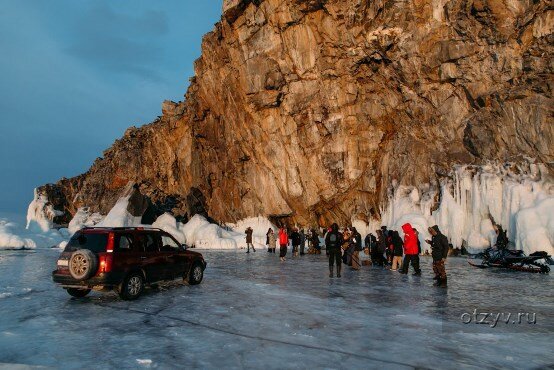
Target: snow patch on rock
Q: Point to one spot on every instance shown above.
(41, 213)
(260, 225)
(119, 216)
(202, 234)
(84, 218)
(169, 224)
(522, 202)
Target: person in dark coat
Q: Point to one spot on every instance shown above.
(372, 246)
(398, 246)
(501, 238)
(302, 242)
(271, 240)
(249, 244)
(333, 244)
(410, 250)
(315, 241)
(267, 240)
(295, 240)
(390, 247)
(356, 242)
(381, 246)
(439, 251)
(418, 241)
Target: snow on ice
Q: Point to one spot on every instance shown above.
(14, 236)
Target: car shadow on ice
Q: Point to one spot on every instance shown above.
(150, 292)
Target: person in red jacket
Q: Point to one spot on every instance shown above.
(411, 252)
(283, 243)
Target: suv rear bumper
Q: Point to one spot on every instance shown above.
(103, 280)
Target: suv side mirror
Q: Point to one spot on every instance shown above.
(184, 246)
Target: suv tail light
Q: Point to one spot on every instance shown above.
(105, 260)
(110, 246)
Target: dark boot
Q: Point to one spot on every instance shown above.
(339, 267)
(443, 282)
(330, 271)
(417, 273)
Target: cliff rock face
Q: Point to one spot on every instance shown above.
(313, 109)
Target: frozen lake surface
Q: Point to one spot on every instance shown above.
(252, 311)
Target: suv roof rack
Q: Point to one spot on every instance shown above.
(121, 228)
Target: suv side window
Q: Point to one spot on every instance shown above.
(151, 243)
(169, 245)
(125, 243)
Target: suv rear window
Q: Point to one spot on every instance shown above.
(93, 242)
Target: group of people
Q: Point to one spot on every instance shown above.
(386, 248)
(298, 240)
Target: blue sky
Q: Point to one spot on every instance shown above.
(75, 74)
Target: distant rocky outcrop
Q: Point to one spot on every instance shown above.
(311, 110)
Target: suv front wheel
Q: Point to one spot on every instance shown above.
(196, 274)
(132, 286)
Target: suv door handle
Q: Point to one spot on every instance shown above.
(142, 257)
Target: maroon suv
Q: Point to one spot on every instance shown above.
(125, 260)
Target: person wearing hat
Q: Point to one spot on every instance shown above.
(249, 243)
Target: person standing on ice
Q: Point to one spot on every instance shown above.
(333, 244)
(418, 242)
(283, 243)
(380, 248)
(397, 251)
(390, 247)
(295, 239)
(410, 250)
(371, 245)
(356, 240)
(315, 242)
(439, 251)
(302, 242)
(249, 244)
(271, 240)
(267, 241)
(501, 238)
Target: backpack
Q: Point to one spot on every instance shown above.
(333, 240)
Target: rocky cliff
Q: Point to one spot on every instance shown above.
(312, 110)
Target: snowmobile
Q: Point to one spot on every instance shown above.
(514, 260)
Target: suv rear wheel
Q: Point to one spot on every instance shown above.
(196, 274)
(78, 293)
(132, 286)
